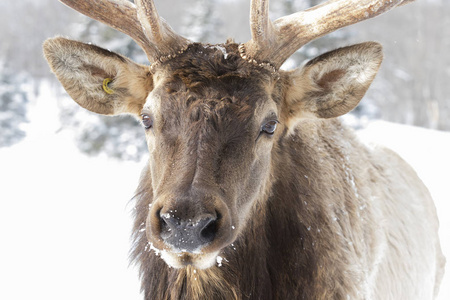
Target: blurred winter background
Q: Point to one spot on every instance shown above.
(66, 175)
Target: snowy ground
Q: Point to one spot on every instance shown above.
(64, 219)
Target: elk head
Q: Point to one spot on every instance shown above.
(213, 114)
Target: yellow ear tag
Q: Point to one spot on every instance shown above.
(106, 87)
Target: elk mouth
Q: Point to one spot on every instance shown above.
(181, 256)
(179, 260)
(190, 233)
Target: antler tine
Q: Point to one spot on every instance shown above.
(167, 43)
(260, 24)
(118, 14)
(141, 22)
(273, 43)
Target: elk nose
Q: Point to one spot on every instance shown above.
(188, 235)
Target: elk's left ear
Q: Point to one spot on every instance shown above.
(97, 79)
(332, 84)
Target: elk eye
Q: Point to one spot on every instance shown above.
(147, 121)
(269, 127)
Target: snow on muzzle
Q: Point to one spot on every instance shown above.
(197, 225)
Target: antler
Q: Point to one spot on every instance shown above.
(273, 43)
(140, 21)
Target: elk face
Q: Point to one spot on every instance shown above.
(211, 121)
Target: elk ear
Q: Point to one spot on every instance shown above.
(97, 79)
(332, 84)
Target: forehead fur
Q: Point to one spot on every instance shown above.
(204, 68)
(213, 83)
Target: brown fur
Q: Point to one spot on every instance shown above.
(306, 241)
(306, 213)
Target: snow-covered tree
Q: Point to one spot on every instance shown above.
(13, 108)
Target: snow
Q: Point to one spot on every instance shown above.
(219, 260)
(221, 48)
(65, 220)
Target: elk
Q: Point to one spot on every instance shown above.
(254, 189)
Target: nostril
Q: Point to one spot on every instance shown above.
(164, 229)
(170, 220)
(208, 233)
(168, 225)
(163, 223)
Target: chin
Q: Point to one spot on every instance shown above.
(182, 260)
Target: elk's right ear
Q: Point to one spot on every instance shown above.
(97, 79)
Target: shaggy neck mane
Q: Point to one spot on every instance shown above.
(298, 226)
